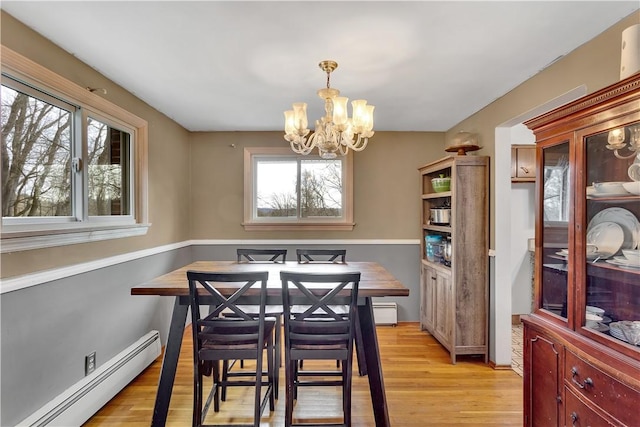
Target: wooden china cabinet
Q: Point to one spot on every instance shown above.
(580, 366)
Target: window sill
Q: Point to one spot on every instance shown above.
(288, 226)
(24, 240)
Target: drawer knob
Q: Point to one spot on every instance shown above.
(574, 417)
(586, 383)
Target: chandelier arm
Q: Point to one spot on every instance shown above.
(360, 143)
(302, 145)
(620, 156)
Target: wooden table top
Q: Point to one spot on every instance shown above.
(375, 280)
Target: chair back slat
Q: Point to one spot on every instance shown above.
(261, 255)
(321, 255)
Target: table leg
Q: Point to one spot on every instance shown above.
(374, 368)
(169, 363)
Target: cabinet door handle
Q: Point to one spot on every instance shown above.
(526, 170)
(586, 383)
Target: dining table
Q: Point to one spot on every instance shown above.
(375, 281)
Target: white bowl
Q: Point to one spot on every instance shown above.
(632, 187)
(597, 311)
(609, 187)
(592, 320)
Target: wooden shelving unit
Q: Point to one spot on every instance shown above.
(454, 300)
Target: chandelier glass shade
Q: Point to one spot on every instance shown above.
(616, 142)
(335, 133)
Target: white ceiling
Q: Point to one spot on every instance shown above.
(237, 65)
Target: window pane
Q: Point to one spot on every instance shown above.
(276, 188)
(36, 156)
(321, 188)
(108, 161)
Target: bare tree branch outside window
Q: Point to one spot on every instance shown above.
(36, 157)
(319, 191)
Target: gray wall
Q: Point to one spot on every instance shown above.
(46, 330)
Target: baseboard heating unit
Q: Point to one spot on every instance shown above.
(79, 402)
(385, 313)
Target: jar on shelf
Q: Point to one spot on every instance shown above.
(433, 247)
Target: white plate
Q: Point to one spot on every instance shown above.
(628, 221)
(626, 261)
(607, 236)
(590, 256)
(620, 264)
(618, 194)
(599, 327)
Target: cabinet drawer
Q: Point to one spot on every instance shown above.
(577, 414)
(605, 391)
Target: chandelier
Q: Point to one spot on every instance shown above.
(335, 133)
(616, 140)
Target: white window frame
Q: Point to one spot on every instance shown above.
(19, 234)
(251, 222)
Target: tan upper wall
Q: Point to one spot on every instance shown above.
(385, 182)
(595, 64)
(168, 162)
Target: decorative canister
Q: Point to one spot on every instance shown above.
(433, 247)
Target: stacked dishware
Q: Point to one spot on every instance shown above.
(595, 319)
(626, 330)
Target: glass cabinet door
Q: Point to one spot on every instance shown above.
(556, 208)
(609, 245)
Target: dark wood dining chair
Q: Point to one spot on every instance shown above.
(251, 255)
(261, 255)
(218, 338)
(319, 332)
(334, 256)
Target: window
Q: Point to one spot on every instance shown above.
(286, 191)
(72, 163)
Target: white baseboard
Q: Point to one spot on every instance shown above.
(79, 402)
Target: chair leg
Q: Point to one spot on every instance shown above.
(197, 399)
(289, 392)
(278, 355)
(257, 404)
(217, 385)
(296, 371)
(346, 381)
(225, 378)
(272, 372)
(362, 363)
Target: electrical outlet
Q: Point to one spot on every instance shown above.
(90, 363)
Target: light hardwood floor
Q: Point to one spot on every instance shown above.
(423, 389)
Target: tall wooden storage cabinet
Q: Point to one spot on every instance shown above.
(581, 355)
(454, 299)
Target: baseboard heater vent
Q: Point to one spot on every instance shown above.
(385, 313)
(79, 402)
